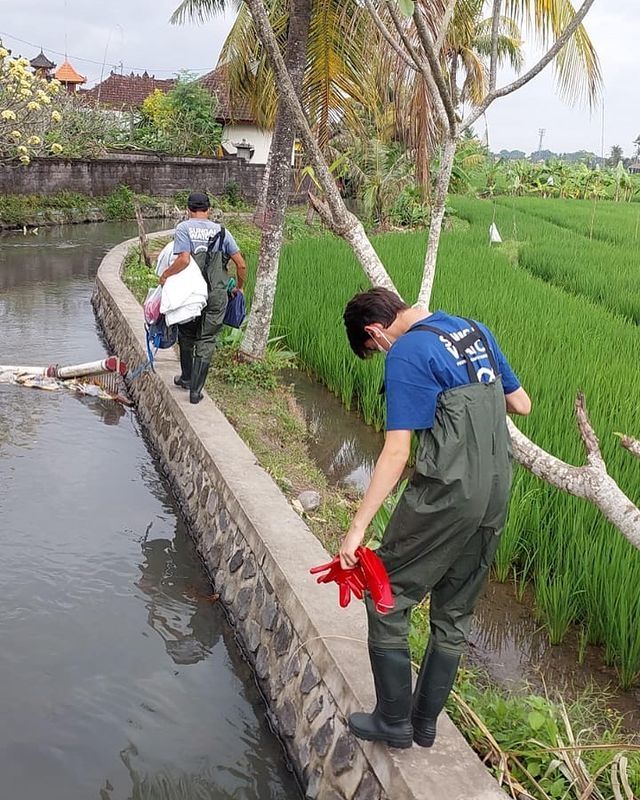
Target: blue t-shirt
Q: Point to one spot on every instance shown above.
(192, 236)
(421, 365)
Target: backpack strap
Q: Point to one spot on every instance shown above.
(216, 239)
(461, 346)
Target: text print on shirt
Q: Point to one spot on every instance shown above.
(199, 235)
(476, 352)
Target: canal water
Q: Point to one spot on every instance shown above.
(119, 676)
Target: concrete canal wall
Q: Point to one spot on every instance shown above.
(310, 657)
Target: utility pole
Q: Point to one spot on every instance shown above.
(542, 132)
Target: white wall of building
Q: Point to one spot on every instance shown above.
(261, 140)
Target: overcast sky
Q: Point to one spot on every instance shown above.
(138, 34)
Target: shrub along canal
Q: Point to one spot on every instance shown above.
(120, 676)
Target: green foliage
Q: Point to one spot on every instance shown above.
(138, 277)
(232, 194)
(15, 209)
(555, 179)
(383, 515)
(182, 121)
(262, 374)
(531, 732)
(84, 131)
(119, 204)
(409, 210)
(558, 343)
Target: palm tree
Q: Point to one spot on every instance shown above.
(294, 33)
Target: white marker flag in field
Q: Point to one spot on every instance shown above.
(494, 234)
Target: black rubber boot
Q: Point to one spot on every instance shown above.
(389, 722)
(183, 380)
(435, 680)
(198, 377)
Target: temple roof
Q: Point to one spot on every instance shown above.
(67, 74)
(41, 62)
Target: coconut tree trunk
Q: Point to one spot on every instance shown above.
(261, 205)
(255, 339)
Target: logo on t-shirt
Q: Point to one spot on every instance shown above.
(200, 235)
(476, 352)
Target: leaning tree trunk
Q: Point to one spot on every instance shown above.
(255, 339)
(437, 216)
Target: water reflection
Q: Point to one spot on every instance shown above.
(178, 605)
(344, 447)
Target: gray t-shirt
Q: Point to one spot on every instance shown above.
(192, 236)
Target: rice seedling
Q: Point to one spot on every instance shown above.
(558, 344)
(556, 245)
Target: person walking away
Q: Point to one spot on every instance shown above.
(212, 247)
(445, 379)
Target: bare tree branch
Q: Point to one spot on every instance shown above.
(495, 30)
(434, 64)
(444, 27)
(591, 482)
(591, 443)
(386, 35)
(630, 444)
(535, 70)
(142, 237)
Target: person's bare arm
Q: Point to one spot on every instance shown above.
(389, 467)
(241, 269)
(518, 402)
(181, 262)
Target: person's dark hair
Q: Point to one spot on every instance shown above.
(198, 201)
(376, 305)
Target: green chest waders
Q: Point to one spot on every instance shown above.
(197, 338)
(443, 534)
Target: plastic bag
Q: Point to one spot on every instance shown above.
(152, 305)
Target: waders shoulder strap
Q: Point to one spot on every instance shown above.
(217, 239)
(462, 345)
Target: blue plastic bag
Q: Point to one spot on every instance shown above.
(236, 311)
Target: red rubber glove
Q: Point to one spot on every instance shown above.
(376, 579)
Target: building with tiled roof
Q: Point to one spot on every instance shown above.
(126, 92)
(69, 77)
(238, 112)
(238, 123)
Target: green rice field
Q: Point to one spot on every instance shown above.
(561, 295)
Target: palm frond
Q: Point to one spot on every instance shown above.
(577, 67)
(201, 10)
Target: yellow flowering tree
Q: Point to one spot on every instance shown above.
(28, 109)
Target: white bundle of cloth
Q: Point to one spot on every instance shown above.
(184, 295)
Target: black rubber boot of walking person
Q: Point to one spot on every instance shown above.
(390, 721)
(435, 681)
(183, 380)
(198, 378)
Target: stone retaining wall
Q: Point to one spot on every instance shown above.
(155, 175)
(309, 656)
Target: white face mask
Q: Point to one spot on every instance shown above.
(382, 335)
